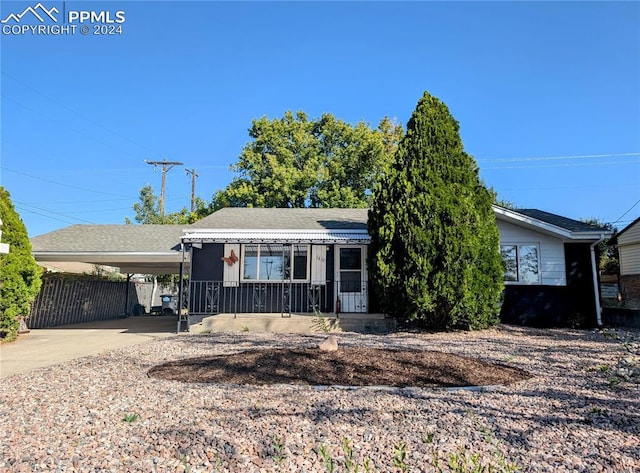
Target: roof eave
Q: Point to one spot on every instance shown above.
(99, 256)
(513, 216)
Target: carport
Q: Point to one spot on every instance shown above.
(134, 249)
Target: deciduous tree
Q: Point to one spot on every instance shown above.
(148, 210)
(295, 161)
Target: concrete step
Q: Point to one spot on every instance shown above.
(296, 323)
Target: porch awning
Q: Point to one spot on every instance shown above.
(354, 237)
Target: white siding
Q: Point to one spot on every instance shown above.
(629, 259)
(231, 274)
(319, 264)
(552, 261)
(629, 247)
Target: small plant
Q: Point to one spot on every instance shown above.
(429, 438)
(509, 359)
(603, 368)
(614, 381)
(130, 418)
(322, 323)
(350, 463)
(400, 456)
(326, 457)
(348, 455)
(245, 328)
(278, 449)
(185, 462)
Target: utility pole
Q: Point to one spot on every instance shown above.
(166, 167)
(193, 186)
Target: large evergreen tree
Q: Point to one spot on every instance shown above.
(19, 273)
(434, 255)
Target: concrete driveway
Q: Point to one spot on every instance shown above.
(45, 347)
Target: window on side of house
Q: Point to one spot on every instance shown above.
(275, 262)
(521, 263)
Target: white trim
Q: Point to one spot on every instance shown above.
(345, 236)
(517, 218)
(364, 293)
(97, 256)
(596, 285)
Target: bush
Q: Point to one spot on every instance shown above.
(19, 273)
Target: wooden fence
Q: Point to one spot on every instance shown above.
(63, 301)
(66, 300)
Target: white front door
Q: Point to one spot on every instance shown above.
(351, 277)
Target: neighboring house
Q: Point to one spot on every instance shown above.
(275, 260)
(628, 241)
(4, 247)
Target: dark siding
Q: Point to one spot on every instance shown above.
(554, 306)
(213, 297)
(207, 265)
(330, 304)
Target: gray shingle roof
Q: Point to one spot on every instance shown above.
(284, 219)
(559, 221)
(110, 238)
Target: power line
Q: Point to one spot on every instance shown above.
(60, 183)
(22, 210)
(84, 117)
(68, 127)
(62, 214)
(558, 158)
(629, 210)
(604, 163)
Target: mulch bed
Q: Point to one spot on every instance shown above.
(349, 366)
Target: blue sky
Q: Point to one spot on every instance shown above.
(529, 82)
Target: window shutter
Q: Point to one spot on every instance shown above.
(319, 265)
(231, 274)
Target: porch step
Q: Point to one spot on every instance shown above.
(304, 323)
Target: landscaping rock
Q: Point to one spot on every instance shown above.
(330, 344)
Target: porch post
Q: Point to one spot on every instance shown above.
(126, 295)
(180, 290)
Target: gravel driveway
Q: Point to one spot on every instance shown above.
(581, 411)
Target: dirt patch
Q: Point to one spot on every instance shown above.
(349, 366)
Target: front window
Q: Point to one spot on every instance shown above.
(521, 263)
(275, 262)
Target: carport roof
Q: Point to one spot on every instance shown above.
(133, 248)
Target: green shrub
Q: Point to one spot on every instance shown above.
(19, 273)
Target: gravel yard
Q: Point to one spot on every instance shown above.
(580, 411)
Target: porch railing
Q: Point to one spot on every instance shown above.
(214, 297)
